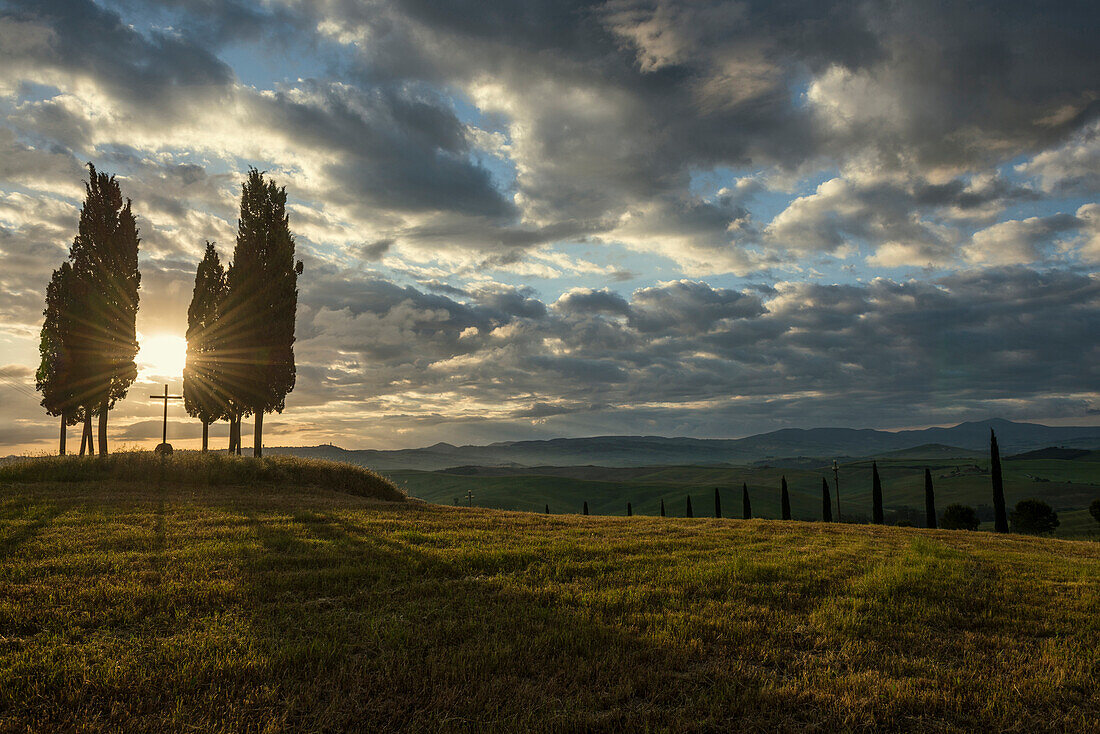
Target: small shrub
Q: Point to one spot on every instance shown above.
(1033, 516)
(959, 517)
(1094, 510)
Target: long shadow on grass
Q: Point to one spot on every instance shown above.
(39, 518)
(363, 630)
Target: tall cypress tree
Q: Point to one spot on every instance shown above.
(826, 501)
(785, 500)
(629, 510)
(746, 506)
(1000, 516)
(586, 508)
(876, 495)
(263, 301)
(689, 512)
(104, 257)
(54, 378)
(662, 507)
(204, 394)
(717, 503)
(548, 509)
(929, 501)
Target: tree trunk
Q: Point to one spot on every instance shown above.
(61, 444)
(205, 435)
(232, 434)
(258, 435)
(103, 429)
(88, 433)
(240, 419)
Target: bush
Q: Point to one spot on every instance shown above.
(1094, 510)
(959, 517)
(1033, 516)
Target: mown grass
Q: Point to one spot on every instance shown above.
(173, 607)
(210, 469)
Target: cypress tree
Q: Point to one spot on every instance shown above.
(629, 510)
(929, 501)
(104, 258)
(785, 500)
(54, 377)
(262, 301)
(689, 512)
(717, 503)
(548, 509)
(876, 495)
(826, 501)
(204, 395)
(662, 507)
(585, 508)
(746, 506)
(1000, 516)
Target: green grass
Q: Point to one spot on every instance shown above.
(1069, 487)
(166, 606)
(210, 469)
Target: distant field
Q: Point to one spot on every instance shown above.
(1069, 486)
(151, 605)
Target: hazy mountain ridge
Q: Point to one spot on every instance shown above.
(626, 451)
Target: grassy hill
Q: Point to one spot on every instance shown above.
(170, 602)
(1068, 485)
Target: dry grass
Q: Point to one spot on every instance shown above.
(173, 607)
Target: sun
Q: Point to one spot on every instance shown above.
(161, 355)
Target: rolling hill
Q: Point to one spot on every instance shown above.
(626, 451)
(201, 601)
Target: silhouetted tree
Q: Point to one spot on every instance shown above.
(929, 500)
(104, 258)
(263, 300)
(204, 395)
(717, 503)
(826, 501)
(629, 510)
(1000, 518)
(784, 500)
(689, 512)
(876, 496)
(746, 506)
(585, 508)
(548, 509)
(55, 375)
(662, 507)
(1094, 510)
(1034, 516)
(960, 517)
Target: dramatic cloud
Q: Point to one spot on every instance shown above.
(553, 216)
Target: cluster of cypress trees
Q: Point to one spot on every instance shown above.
(89, 336)
(240, 324)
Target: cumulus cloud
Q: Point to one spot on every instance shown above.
(470, 187)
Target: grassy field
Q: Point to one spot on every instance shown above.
(1069, 486)
(287, 606)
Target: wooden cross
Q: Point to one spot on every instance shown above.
(165, 397)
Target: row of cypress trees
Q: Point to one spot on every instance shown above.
(88, 340)
(240, 323)
(878, 514)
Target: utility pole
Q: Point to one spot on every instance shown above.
(469, 498)
(836, 481)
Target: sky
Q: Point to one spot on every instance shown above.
(528, 219)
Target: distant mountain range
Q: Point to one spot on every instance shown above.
(964, 439)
